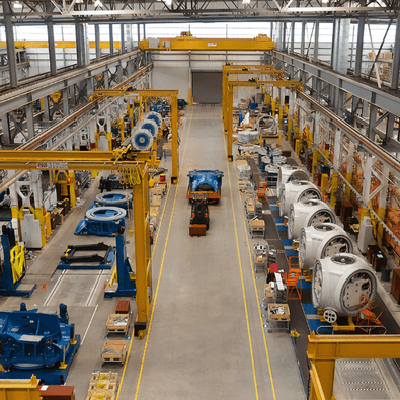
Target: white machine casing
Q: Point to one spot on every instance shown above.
(150, 125)
(289, 173)
(308, 213)
(266, 124)
(293, 192)
(142, 139)
(154, 116)
(321, 241)
(248, 136)
(366, 235)
(339, 282)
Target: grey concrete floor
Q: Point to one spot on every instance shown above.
(206, 339)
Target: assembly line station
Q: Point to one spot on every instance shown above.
(199, 200)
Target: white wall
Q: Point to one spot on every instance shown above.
(171, 79)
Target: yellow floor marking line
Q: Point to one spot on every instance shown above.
(156, 291)
(243, 289)
(258, 302)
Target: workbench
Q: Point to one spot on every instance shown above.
(278, 315)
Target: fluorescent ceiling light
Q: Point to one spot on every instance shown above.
(246, 1)
(168, 2)
(98, 3)
(325, 1)
(17, 4)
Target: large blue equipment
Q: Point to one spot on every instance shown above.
(102, 221)
(205, 180)
(37, 342)
(126, 283)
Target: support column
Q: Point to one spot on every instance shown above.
(373, 117)
(50, 35)
(65, 101)
(97, 41)
(382, 203)
(29, 120)
(79, 44)
(303, 38)
(279, 41)
(292, 38)
(359, 47)
(144, 31)
(316, 42)
(333, 42)
(5, 137)
(396, 57)
(111, 39)
(46, 108)
(12, 62)
(175, 139)
(123, 39)
(119, 73)
(138, 33)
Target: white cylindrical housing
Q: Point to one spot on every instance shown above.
(155, 116)
(142, 139)
(308, 213)
(248, 136)
(289, 173)
(151, 126)
(266, 125)
(339, 282)
(320, 241)
(295, 191)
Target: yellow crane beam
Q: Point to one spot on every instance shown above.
(188, 42)
(58, 44)
(324, 350)
(103, 160)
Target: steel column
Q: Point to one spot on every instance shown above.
(144, 31)
(97, 41)
(30, 126)
(111, 39)
(316, 42)
(50, 35)
(292, 38)
(79, 44)
(373, 117)
(333, 45)
(303, 38)
(359, 47)
(396, 57)
(138, 33)
(122, 38)
(46, 108)
(175, 139)
(65, 101)
(5, 137)
(12, 62)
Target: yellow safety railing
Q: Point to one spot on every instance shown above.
(17, 257)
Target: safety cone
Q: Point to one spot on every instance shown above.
(44, 287)
(105, 285)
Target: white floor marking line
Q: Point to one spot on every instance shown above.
(96, 284)
(56, 286)
(90, 322)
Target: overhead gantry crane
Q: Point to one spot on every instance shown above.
(134, 171)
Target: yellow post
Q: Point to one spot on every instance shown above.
(364, 213)
(174, 145)
(347, 192)
(142, 251)
(47, 220)
(71, 184)
(334, 186)
(315, 160)
(290, 125)
(190, 96)
(121, 127)
(280, 117)
(272, 107)
(380, 231)
(230, 122)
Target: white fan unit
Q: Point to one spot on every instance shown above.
(339, 282)
(154, 116)
(142, 139)
(320, 241)
(293, 192)
(288, 173)
(308, 213)
(150, 125)
(247, 136)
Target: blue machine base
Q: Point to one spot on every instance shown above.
(109, 263)
(120, 293)
(274, 208)
(48, 375)
(25, 290)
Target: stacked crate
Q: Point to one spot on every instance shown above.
(103, 386)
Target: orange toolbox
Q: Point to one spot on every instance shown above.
(197, 230)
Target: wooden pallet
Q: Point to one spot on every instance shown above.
(103, 385)
(118, 323)
(114, 351)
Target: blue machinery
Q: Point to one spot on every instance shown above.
(36, 342)
(102, 221)
(126, 283)
(13, 268)
(205, 181)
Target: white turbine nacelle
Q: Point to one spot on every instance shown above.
(320, 241)
(307, 213)
(248, 136)
(289, 173)
(293, 192)
(339, 282)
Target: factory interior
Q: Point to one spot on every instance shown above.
(199, 200)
